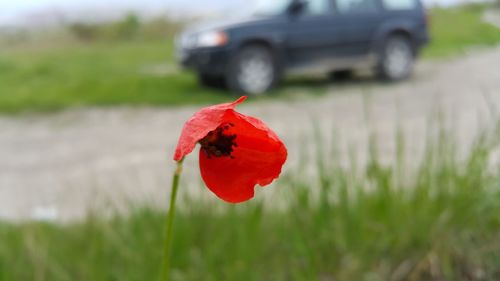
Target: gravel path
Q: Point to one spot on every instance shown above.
(58, 166)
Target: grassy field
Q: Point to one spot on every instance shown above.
(48, 76)
(434, 221)
(455, 30)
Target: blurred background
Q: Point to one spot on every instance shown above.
(384, 181)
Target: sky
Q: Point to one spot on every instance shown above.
(23, 11)
(19, 11)
(19, 6)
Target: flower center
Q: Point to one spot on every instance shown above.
(218, 144)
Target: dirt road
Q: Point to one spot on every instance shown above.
(58, 166)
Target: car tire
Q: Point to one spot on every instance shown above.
(396, 58)
(252, 71)
(341, 75)
(211, 81)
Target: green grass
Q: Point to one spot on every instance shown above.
(50, 76)
(455, 30)
(435, 221)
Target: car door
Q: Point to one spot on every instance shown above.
(310, 34)
(356, 22)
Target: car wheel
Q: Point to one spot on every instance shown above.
(396, 58)
(212, 81)
(252, 71)
(341, 75)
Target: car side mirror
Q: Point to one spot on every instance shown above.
(296, 7)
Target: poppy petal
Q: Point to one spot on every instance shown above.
(257, 159)
(201, 123)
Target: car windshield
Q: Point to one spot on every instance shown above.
(270, 7)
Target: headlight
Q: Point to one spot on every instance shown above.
(212, 39)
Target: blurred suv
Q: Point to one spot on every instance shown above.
(251, 54)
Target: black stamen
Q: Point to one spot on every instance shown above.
(217, 144)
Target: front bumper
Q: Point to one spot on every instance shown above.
(205, 60)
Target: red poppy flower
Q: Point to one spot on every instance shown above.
(237, 151)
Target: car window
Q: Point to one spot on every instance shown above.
(356, 6)
(317, 7)
(400, 4)
(266, 7)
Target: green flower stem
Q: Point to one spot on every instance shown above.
(170, 222)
